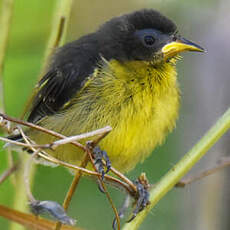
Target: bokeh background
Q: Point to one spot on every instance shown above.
(204, 80)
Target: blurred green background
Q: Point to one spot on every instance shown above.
(205, 95)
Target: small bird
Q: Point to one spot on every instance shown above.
(123, 75)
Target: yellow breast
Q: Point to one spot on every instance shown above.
(149, 113)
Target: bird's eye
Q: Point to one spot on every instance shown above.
(149, 40)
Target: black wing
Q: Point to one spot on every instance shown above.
(70, 66)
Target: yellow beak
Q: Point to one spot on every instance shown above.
(180, 45)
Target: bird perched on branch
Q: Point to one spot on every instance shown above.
(122, 75)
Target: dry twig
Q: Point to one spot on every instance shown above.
(221, 164)
(8, 172)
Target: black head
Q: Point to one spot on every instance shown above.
(140, 35)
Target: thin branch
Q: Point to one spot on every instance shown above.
(74, 184)
(39, 128)
(105, 190)
(27, 176)
(73, 187)
(30, 221)
(129, 186)
(182, 167)
(55, 134)
(70, 166)
(8, 172)
(221, 164)
(125, 179)
(108, 178)
(68, 140)
(17, 143)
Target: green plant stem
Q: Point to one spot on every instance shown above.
(20, 198)
(59, 28)
(182, 167)
(5, 21)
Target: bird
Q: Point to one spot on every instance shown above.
(122, 75)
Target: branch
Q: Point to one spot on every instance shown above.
(221, 164)
(72, 140)
(8, 172)
(130, 187)
(67, 140)
(182, 167)
(30, 221)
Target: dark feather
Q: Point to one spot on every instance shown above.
(71, 65)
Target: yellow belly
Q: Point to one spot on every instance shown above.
(138, 134)
(140, 106)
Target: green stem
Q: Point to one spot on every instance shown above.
(5, 21)
(59, 28)
(20, 198)
(182, 167)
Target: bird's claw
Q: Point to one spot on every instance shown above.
(141, 196)
(142, 201)
(99, 156)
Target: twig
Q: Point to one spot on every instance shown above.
(29, 221)
(182, 167)
(46, 156)
(26, 176)
(221, 164)
(103, 133)
(88, 172)
(18, 143)
(28, 167)
(55, 134)
(73, 187)
(105, 190)
(68, 140)
(8, 172)
(75, 183)
(37, 207)
(39, 128)
(125, 179)
(63, 141)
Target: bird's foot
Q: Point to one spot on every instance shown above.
(142, 195)
(98, 156)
